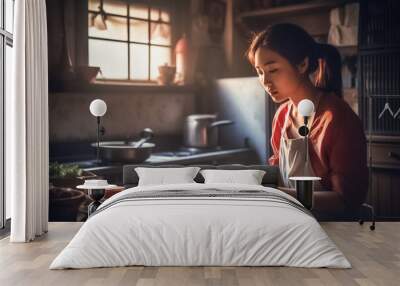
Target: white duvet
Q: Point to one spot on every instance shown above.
(200, 231)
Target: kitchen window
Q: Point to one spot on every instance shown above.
(128, 40)
(6, 44)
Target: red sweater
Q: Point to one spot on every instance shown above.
(337, 148)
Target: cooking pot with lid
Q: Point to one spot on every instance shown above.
(201, 130)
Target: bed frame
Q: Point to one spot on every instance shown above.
(270, 179)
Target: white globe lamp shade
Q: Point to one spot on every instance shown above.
(306, 107)
(98, 107)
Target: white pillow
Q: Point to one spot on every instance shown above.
(162, 176)
(249, 177)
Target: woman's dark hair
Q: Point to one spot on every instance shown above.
(295, 44)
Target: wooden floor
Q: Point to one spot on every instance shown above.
(375, 256)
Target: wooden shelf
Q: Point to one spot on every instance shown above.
(292, 10)
(383, 138)
(118, 87)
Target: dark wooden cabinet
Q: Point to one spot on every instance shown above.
(379, 89)
(379, 24)
(385, 193)
(384, 161)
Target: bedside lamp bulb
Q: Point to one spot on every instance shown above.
(306, 109)
(98, 107)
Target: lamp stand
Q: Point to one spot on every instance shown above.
(98, 140)
(96, 195)
(303, 131)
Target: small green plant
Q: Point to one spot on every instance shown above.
(57, 170)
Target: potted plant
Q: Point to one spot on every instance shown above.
(64, 200)
(68, 175)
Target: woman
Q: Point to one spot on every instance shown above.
(292, 66)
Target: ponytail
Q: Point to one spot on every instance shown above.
(329, 71)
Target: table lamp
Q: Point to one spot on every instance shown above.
(306, 109)
(304, 184)
(98, 108)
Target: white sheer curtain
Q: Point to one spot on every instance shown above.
(27, 124)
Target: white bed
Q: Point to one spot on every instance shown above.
(185, 230)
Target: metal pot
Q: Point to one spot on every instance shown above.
(201, 130)
(127, 151)
(124, 152)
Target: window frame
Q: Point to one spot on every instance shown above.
(128, 42)
(6, 39)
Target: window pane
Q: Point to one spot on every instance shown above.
(160, 34)
(118, 7)
(139, 31)
(154, 14)
(3, 204)
(1, 16)
(111, 57)
(159, 56)
(94, 5)
(139, 61)
(165, 16)
(139, 11)
(9, 9)
(116, 28)
(7, 83)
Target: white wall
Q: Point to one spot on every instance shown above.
(127, 114)
(244, 101)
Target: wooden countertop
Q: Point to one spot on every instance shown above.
(192, 159)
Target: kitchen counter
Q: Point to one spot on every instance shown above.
(113, 171)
